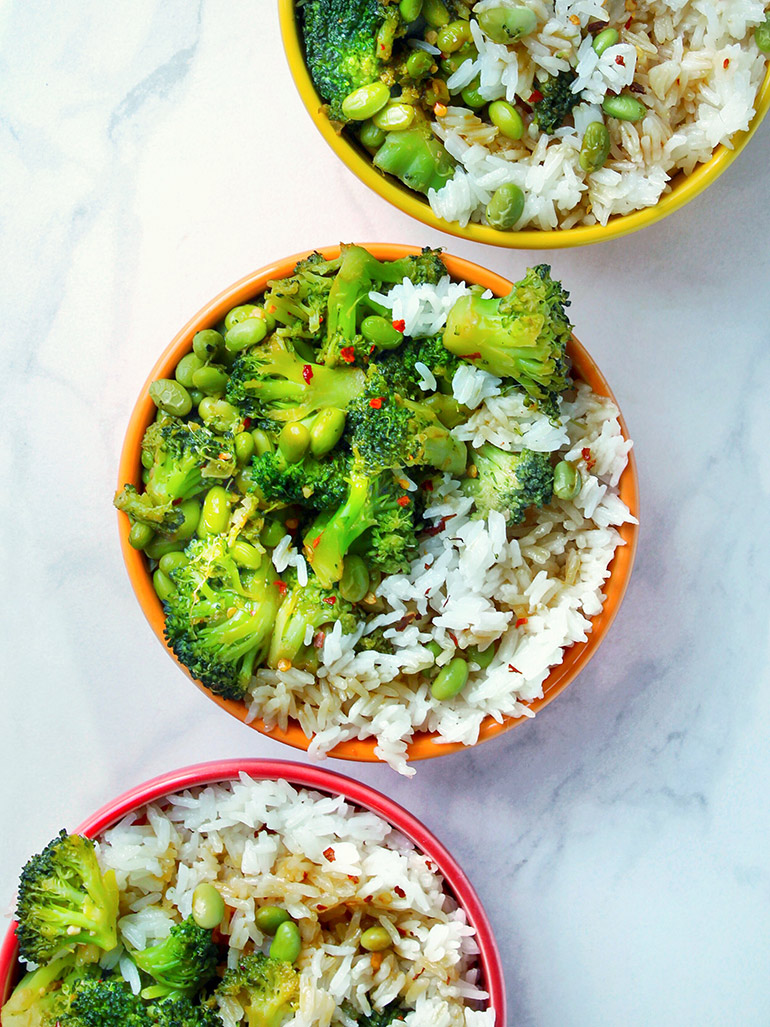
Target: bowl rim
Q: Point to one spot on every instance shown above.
(423, 744)
(685, 188)
(311, 777)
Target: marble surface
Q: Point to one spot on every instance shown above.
(620, 841)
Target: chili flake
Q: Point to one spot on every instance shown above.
(471, 356)
(281, 586)
(329, 854)
(620, 59)
(536, 96)
(246, 423)
(348, 354)
(319, 639)
(453, 636)
(427, 485)
(403, 500)
(376, 402)
(726, 62)
(585, 452)
(400, 325)
(329, 600)
(514, 669)
(629, 22)
(316, 541)
(176, 502)
(521, 621)
(272, 308)
(307, 373)
(400, 892)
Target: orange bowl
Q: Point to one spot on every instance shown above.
(683, 187)
(424, 744)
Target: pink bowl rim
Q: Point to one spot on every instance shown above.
(307, 777)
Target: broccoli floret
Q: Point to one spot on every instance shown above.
(105, 1002)
(558, 100)
(298, 303)
(303, 607)
(42, 996)
(509, 482)
(522, 336)
(219, 620)
(311, 483)
(378, 1017)
(266, 989)
(416, 157)
(182, 964)
(273, 382)
(375, 641)
(182, 1012)
(346, 43)
(65, 900)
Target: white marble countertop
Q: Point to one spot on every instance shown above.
(620, 841)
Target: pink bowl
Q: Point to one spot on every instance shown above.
(308, 777)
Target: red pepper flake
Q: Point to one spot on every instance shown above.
(348, 354)
(521, 621)
(320, 908)
(319, 639)
(281, 586)
(246, 423)
(426, 566)
(438, 528)
(400, 325)
(376, 403)
(307, 373)
(726, 63)
(329, 600)
(620, 59)
(536, 96)
(453, 636)
(427, 485)
(400, 892)
(629, 22)
(514, 669)
(272, 308)
(316, 541)
(329, 854)
(352, 878)
(403, 500)
(586, 454)
(471, 356)
(372, 348)
(177, 502)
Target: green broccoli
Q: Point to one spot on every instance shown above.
(523, 336)
(311, 483)
(219, 620)
(303, 607)
(298, 303)
(42, 996)
(266, 989)
(509, 482)
(106, 1002)
(275, 383)
(182, 964)
(552, 111)
(182, 1012)
(376, 641)
(346, 45)
(64, 900)
(416, 157)
(378, 1017)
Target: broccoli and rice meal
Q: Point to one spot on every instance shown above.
(376, 502)
(545, 113)
(244, 902)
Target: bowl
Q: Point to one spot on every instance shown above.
(491, 973)
(684, 187)
(423, 745)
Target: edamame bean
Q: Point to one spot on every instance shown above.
(396, 117)
(184, 369)
(147, 459)
(238, 314)
(450, 680)
(246, 555)
(376, 939)
(506, 206)
(170, 397)
(248, 332)
(191, 512)
(171, 562)
(419, 64)
(481, 658)
(140, 535)
(365, 101)
(208, 906)
(196, 396)
(272, 533)
(625, 107)
(452, 36)
(604, 40)
(449, 65)
(762, 35)
(160, 546)
(472, 97)
(163, 585)
(262, 442)
(434, 649)
(215, 512)
(371, 137)
(287, 943)
(326, 431)
(595, 148)
(244, 447)
(354, 583)
(207, 343)
(507, 24)
(567, 480)
(380, 332)
(505, 116)
(210, 379)
(410, 10)
(269, 918)
(435, 13)
(218, 414)
(293, 441)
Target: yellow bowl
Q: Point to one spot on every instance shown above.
(684, 187)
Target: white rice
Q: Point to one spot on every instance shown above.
(698, 69)
(268, 842)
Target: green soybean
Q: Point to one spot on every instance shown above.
(184, 369)
(604, 40)
(506, 206)
(595, 148)
(287, 943)
(272, 533)
(160, 546)
(269, 918)
(147, 459)
(762, 35)
(244, 447)
(365, 101)
(472, 97)
(450, 64)
(419, 64)
(434, 649)
(218, 414)
(246, 555)
(435, 13)
(210, 379)
(293, 441)
(140, 535)
(505, 116)
(196, 396)
(452, 36)
(207, 343)
(371, 137)
(326, 430)
(163, 585)
(625, 107)
(248, 332)
(208, 906)
(410, 10)
(262, 442)
(190, 511)
(396, 117)
(567, 481)
(240, 313)
(215, 512)
(354, 583)
(376, 939)
(507, 24)
(482, 658)
(450, 680)
(170, 397)
(380, 332)
(171, 562)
